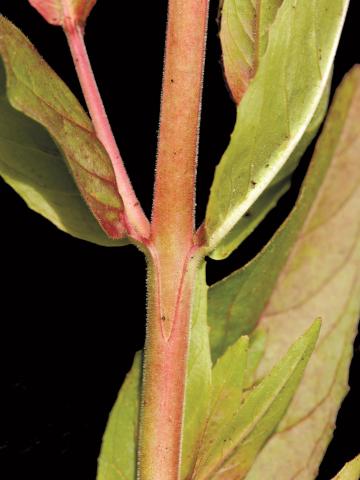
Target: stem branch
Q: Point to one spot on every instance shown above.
(133, 210)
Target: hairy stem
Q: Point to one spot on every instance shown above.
(134, 214)
(174, 254)
(164, 377)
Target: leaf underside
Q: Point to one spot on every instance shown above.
(321, 277)
(244, 35)
(34, 89)
(32, 164)
(273, 116)
(311, 267)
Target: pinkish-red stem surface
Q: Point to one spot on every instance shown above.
(174, 256)
(135, 217)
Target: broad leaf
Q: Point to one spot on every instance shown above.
(234, 446)
(281, 183)
(321, 276)
(124, 417)
(326, 263)
(350, 471)
(117, 459)
(244, 36)
(33, 165)
(34, 89)
(198, 378)
(273, 115)
(236, 303)
(56, 11)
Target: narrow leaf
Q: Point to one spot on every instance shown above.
(232, 452)
(244, 36)
(117, 460)
(198, 379)
(57, 12)
(34, 89)
(321, 276)
(226, 394)
(32, 164)
(255, 354)
(350, 471)
(273, 115)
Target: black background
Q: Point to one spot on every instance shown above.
(74, 311)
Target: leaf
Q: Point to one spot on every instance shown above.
(243, 35)
(236, 303)
(255, 353)
(271, 195)
(117, 460)
(236, 444)
(350, 471)
(32, 164)
(34, 89)
(321, 276)
(118, 453)
(198, 378)
(56, 11)
(273, 115)
(226, 394)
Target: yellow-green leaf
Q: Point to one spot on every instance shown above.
(271, 195)
(350, 471)
(198, 378)
(322, 277)
(273, 115)
(32, 164)
(117, 459)
(231, 450)
(244, 34)
(35, 89)
(226, 394)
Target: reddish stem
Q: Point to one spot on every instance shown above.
(174, 255)
(136, 218)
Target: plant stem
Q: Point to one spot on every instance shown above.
(164, 377)
(133, 211)
(174, 254)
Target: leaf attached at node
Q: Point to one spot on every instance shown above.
(33, 88)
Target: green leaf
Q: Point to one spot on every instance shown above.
(34, 89)
(273, 115)
(234, 446)
(244, 35)
(198, 379)
(320, 276)
(350, 471)
(226, 394)
(32, 164)
(117, 460)
(236, 303)
(256, 351)
(281, 183)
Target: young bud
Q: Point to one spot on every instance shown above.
(57, 12)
